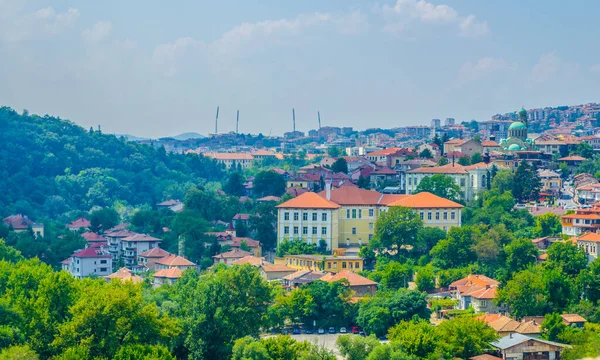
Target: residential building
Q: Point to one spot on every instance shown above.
(505, 325)
(149, 258)
(551, 181)
(124, 274)
(357, 283)
(136, 244)
(174, 261)
(329, 263)
(383, 175)
(471, 180)
(21, 223)
(93, 238)
(243, 160)
(251, 260)
(571, 320)
(523, 347)
(389, 157)
(465, 146)
(81, 223)
(114, 240)
(572, 161)
(490, 146)
(346, 217)
(173, 205)
(301, 277)
(167, 276)
(583, 220)
(478, 292)
(229, 238)
(91, 261)
(590, 243)
(589, 193)
(274, 271)
(229, 257)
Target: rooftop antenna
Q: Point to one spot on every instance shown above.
(237, 122)
(217, 122)
(319, 116)
(294, 118)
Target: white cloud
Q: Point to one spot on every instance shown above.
(16, 26)
(546, 68)
(484, 68)
(54, 21)
(595, 68)
(407, 11)
(100, 31)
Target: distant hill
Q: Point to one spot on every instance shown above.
(188, 135)
(131, 137)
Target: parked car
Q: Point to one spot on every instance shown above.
(362, 333)
(355, 329)
(332, 330)
(343, 330)
(296, 331)
(308, 331)
(321, 331)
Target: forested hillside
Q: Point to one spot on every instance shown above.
(50, 166)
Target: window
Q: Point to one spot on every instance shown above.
(354, 213)
(409, 180)
(357, 265)
(286, 216)
(483, 303)
(305, 230)
(304, 216)
(295, 230)
(371, 225)
(323, 230)
(462, 182)
(437, 215)
(324, 217)
(371, 212)
(102, 261)
(353, 231)
(421, 215)
(314, 216)
(343, 264)
(295, 216)
(314, 230)
(347, 213)
(370, 236)
(360, 213)
(445, 215)
(335, 265)
(429, 215)
(350, 265)
(102, 269)
(452, 215)
(329, 265)
(286, 230)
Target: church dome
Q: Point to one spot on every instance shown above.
(517, 125)
(514, 147)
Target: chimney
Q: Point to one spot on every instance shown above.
(328, 189)
(510, 335)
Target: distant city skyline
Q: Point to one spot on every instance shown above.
(151, 70)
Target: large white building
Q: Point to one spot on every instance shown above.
(92, 261)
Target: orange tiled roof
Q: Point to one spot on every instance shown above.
(124, 274)
(174, 260)
(572, 158)
(140, 237)
(593, 237)
(276, 268)
(155, 253)
(252, 260)
(426, 200)
(348, 195)
(353, 278)
(582, 216)
(571, 318)
(170, 273)
(384, 152)
(229, 156)
(309, 200)
(489, 143)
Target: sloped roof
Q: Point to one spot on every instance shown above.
(232, 254)
(384, 152)
(92, 236)
(170, 273)
(91, 252)
(445, 169)
(120, 233)
(348, 195)
(353, 278)
(489, 143)
(169, 203)
(174, 260)
(276, 268)
(572, 158)
(18, 222)
(237, 242)
(79, 223)
(252, 260)
(516, 339)
(140, 237)
(124, 274)
(485, 357)
(309, 200)
(269, 198)
(155, 253)
(424, 200)
(572, 318)
(229, 156)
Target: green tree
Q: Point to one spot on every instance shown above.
(526, 184)
(263, 225)
(190, 226)
(590, 280)
(567, 257)
(440, 185)
(503, 181)
(525, 294)
(552, 327)
(426, 154)
(334, 152)
(356, 347)
(418, 338)
(520, 254)
(464, 161)
(268, 183)
(340, 166)
(443, 161)
(20, 352)
(143, 352)
(584, 150)
(476, 158)
(103, 219)
(427, 238)
(235, 184)
(548, 224)
(398, 227)
(363, 182)
(8, 253)
(425, 279)
(457, 249)
(465, 336)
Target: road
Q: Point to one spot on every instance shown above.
(327, 340)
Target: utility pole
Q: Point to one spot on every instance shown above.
(217, 122)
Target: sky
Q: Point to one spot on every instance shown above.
(157, 68)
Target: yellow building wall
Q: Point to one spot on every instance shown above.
(315, 263)
(355, 225)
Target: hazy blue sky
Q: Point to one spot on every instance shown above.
(154, 68)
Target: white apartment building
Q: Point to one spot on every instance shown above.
(92, 261)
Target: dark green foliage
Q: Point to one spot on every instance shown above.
(268, 183)
(440, 185)
(103, 219)
(235, 184)
(526, 185)
(340, 166)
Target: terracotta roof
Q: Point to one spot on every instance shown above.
(477, 286)
(120, 233)
(170, 273)
(456, 141)
(581, 216)
(119, 227)
(237, 242)
(384, 171)
(489, 143)
(92, 236)
(483, 293)
(310, 200)
(485, 357)
(91, 253)
(18, 222)
(594, 237)
(572, 158)
(174, 260)
(425, 200)
(79, 223)
(348, 195)
(232, 254)
(269, 198)
(66, 261)
(276, 268)
(384, 152)
(543, 257)
(155, 253)
(445, 169)
(295, 191)
(140, 237)
(572, 318)
(353, 278)
(241, 216)
(124, 274)
(252, 260)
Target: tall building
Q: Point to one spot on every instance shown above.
(450, 121)
(436, 123)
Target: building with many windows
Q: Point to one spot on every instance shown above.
(583, 220)
(346, 217)
(329, 263)
(91, 261)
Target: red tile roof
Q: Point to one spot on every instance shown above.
(79, 223)
(592, 237)
(140, 237)
(124, 274)
(18, 222)
(276, 268)
(232, 254)
(92, 237)
(170, 273)
(425, 200)
(572, 158)
(252, 260)
(91, 252)
(155, 253)
(310, 200)
(120, 233)
(174, 260)
(353, 278)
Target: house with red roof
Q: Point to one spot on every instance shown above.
(167, 276)
(149, 258)
(478, 292)
(21, 223)
(230, 256)
(91, 261)
(81, 223)
(92, 237)
(357, 283)
(136, 244)
(174, 261)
